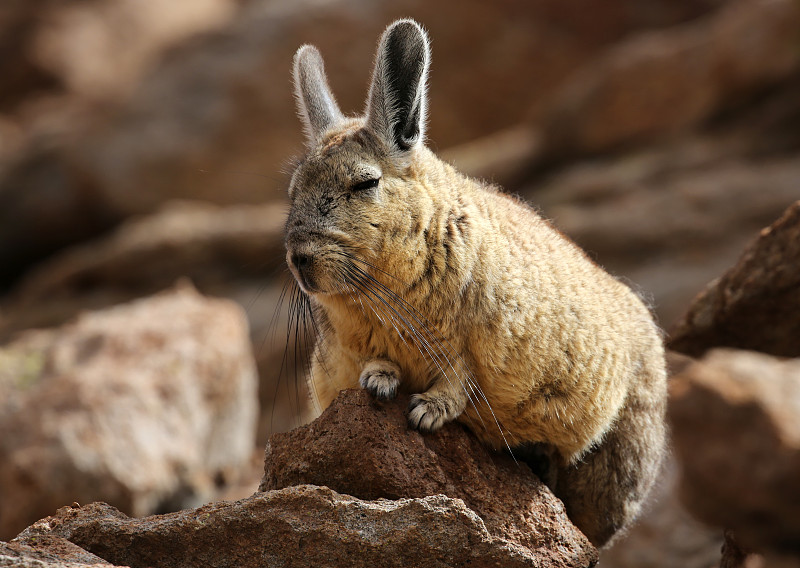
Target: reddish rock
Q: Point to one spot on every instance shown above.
(365, 448)
(148, 405)
(736, 431)
(298, 526)
(516, 522)
(756, 304)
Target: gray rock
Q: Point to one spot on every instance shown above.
(298, 526)
(47, 552)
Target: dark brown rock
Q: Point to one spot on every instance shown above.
(365, 448)
(756, 304)
(298, 526)
(516, 523)
(735, 426)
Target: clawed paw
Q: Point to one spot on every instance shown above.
(428, 414)
(380, 379)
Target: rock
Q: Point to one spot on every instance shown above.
(662, 82)
(365, 448)
(47, 552)
(736, 431)
(298, 526)
(81, 43)
(504, 157)
(754, 305)
(68, 65)
(146, 405)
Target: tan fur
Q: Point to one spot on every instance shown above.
(478, 306)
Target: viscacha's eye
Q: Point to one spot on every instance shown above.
(365, 185)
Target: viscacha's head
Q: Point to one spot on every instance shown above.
(353, 193)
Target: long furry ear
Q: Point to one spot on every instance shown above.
(315, 103)
(397, 102)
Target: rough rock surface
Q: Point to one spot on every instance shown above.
(756, 304)
(47, 552)
(451, 503)
(365, 448)
(146, 405)
(736, 430)
(298, 526)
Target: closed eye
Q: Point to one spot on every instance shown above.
(365, 185)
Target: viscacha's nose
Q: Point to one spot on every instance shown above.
(300, 260)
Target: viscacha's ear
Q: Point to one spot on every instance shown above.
(315, 103)
(397, 102)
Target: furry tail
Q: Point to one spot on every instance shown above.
(604, 491)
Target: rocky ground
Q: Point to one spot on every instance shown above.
(144, 362)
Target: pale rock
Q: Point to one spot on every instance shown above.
(146, 405)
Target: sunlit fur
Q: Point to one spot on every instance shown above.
(443, 287)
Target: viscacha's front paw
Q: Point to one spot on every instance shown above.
(429, 413)
(380, 379)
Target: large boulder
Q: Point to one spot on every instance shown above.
(365, 448)
(736, 429)
(148, 405)
(233, 251)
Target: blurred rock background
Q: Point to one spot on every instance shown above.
(144, 143)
